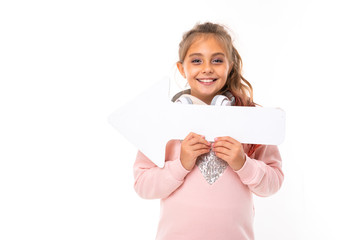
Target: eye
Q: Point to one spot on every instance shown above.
(196, 61)
(217, 60)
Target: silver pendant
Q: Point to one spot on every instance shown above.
(211, 166)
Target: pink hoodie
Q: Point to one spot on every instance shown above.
(191, 208)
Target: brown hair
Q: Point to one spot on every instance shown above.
(235, 83)
(239, 87)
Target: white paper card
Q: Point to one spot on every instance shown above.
(151, 120)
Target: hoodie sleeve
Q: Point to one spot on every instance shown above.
(152, 182)
(263, 174)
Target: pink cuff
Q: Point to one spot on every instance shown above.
(250, 171)
(177, 170)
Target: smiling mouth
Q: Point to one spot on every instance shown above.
(207, 80)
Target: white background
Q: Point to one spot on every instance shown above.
(65, 66)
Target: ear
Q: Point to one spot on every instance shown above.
(181, 69)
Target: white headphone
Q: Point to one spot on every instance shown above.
(218, 100)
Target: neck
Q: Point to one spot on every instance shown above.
(206, 100)
(199, 101)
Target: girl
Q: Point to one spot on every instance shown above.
(206, 188)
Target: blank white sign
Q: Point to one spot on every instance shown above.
(151, 120)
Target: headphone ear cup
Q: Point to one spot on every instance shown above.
(220, 100)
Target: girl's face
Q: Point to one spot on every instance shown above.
(205, 67)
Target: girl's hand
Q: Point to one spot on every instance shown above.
(191, 147)
(230, 151)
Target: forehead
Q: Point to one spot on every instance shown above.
(206, 44)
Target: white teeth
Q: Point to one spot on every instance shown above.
(207, 81)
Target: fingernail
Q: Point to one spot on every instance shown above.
(215, 139)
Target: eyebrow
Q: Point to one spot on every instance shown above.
(199, 54)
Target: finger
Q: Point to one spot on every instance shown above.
(192, 135)
(222, 150)
(189, 136)
(201, 151)
(224, 144)
(198, 139)
(200, 147)
(226, 138)
(204, 141)
(222, 156)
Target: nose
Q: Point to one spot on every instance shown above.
(207, 68)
